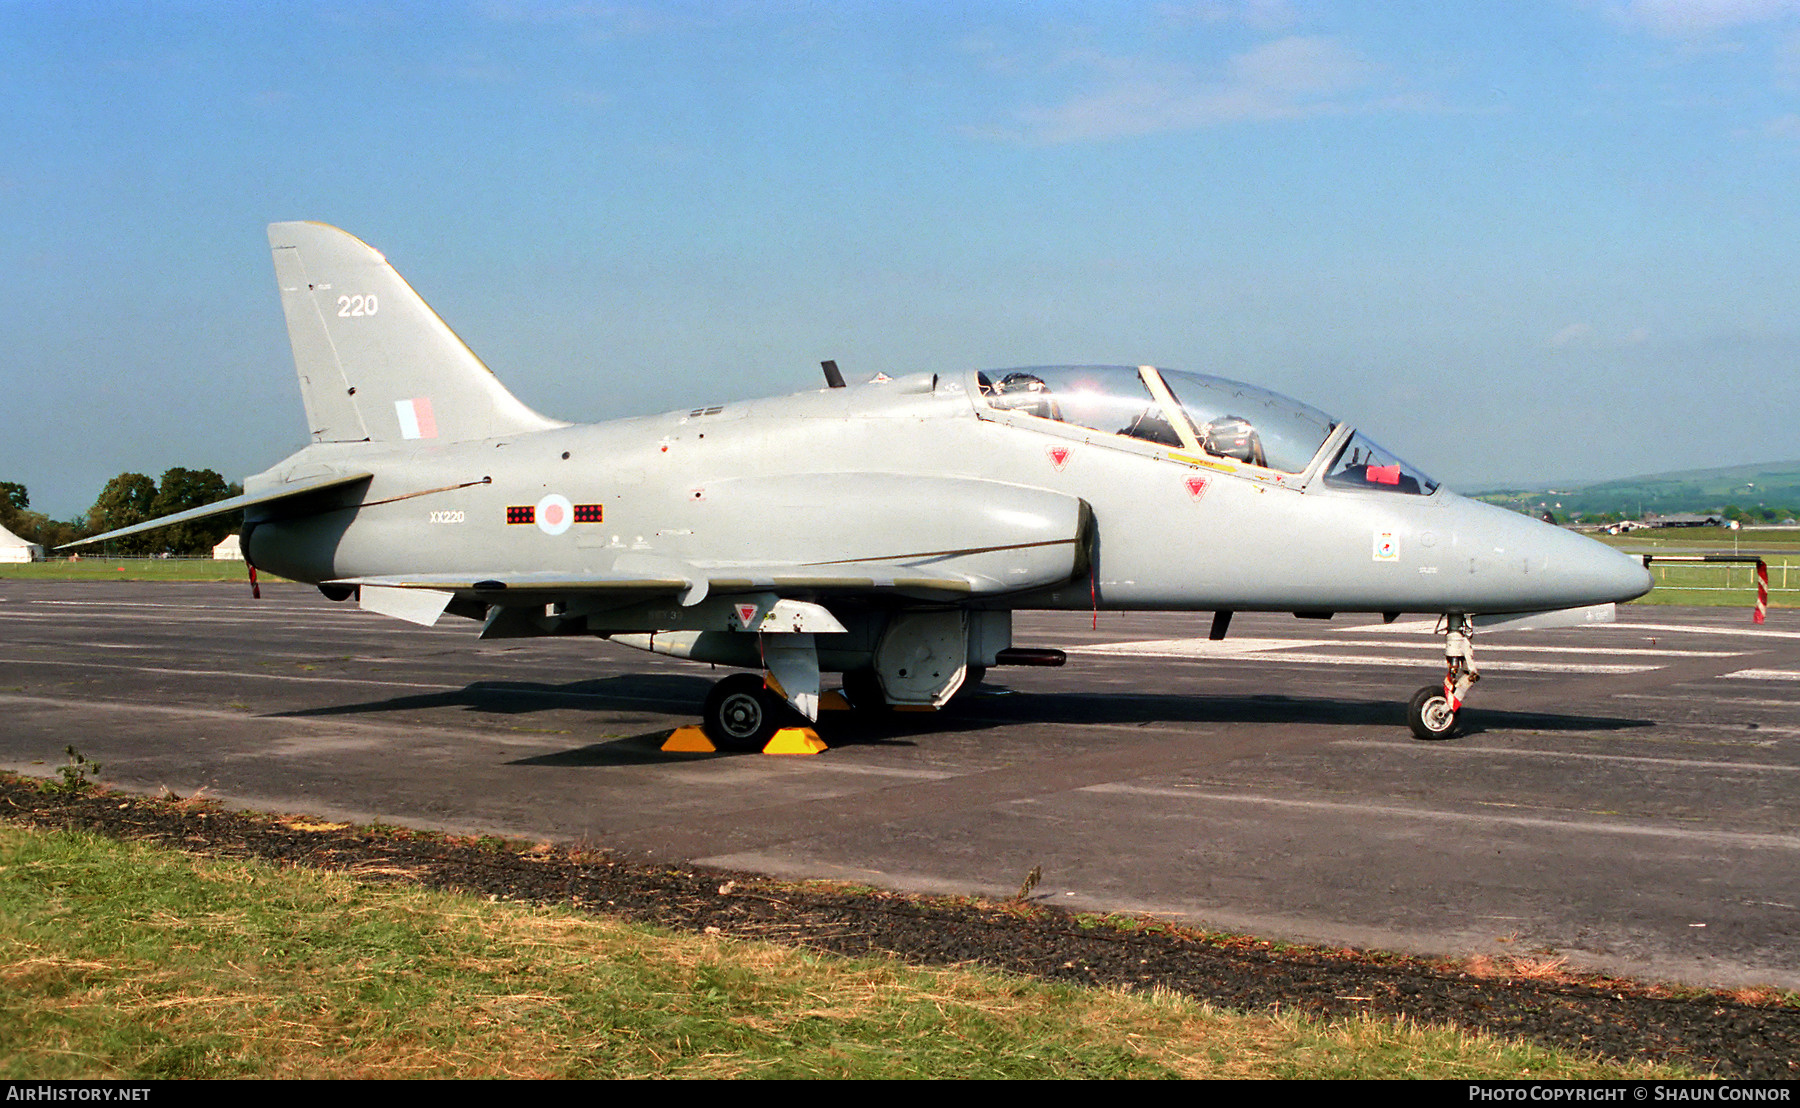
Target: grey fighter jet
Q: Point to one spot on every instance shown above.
(885, 530)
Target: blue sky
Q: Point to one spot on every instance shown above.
(1515, 242)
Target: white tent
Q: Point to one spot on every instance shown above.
(15, 549)
(228, 550)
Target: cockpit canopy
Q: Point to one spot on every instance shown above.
(1201, 414)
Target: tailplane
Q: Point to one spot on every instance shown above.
(376, 364)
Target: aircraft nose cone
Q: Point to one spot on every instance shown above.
(1524, 564)
(1589, 572)
(1616, 577)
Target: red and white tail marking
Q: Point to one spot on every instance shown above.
(416, 420)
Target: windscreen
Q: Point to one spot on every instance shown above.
(1243, 422)
(1364, 465)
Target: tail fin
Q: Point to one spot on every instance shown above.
(375, 362)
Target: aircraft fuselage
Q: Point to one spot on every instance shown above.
(884, 530)
(772, 480)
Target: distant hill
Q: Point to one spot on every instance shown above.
(1756, 491)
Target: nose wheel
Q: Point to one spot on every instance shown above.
(1429, 714)
(1433, 711)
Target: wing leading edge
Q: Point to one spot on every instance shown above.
(274, 495)
(636, 593)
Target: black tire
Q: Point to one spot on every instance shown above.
(1428, 714)
(741, 713)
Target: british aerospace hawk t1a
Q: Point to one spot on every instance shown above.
(886, 530)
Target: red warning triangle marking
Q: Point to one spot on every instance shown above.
(1196, 486)
(1059, 456)
(746, 613)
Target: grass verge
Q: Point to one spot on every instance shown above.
(120, 960)
(1716, 584)
(133, 569)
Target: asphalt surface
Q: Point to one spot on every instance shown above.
(1623, 799)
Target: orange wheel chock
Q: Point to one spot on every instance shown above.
(688, 740)
(795, 740)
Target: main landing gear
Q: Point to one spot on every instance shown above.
(1433, 711)
(743, 713)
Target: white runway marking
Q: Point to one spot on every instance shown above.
(487, 685)
(1765, 675)
(1699, 629)
(232, 673)
(1280, 650)
(209, 619)
(121, 604)
(250, 610)
(1741, 839)
(1197, 648)
(1410, 627)
(1487, 665)
(1443, 749)
(411, 731)
(1234, 647)
(1736, 701)
(1426, 627)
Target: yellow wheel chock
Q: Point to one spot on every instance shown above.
(788, 740)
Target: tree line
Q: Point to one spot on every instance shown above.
(128, 499)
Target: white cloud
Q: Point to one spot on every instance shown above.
(1573, 334)
(1261, 15)
(1584, 336)
(609, 18)
(1787, 61)
(1784, 127)
(1287, 78)
(1299, 66)
(1698, 18)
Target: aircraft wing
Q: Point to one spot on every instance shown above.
(638, 579)
(489, 585)
(695, 583)
(234, 504)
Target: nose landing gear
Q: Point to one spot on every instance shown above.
(1433, 711)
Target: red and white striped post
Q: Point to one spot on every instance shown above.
(1762, 573)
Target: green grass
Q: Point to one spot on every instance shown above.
(132, 569)
(125, 961)
(1716, 539)
(1716, 584)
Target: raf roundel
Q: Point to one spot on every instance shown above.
(554, 514)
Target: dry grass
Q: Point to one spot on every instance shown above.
(1761, 995)
(1510, 968)
(304, 823)
(123, 961)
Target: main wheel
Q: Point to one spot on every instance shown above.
(741, 713)
(1429, 714)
